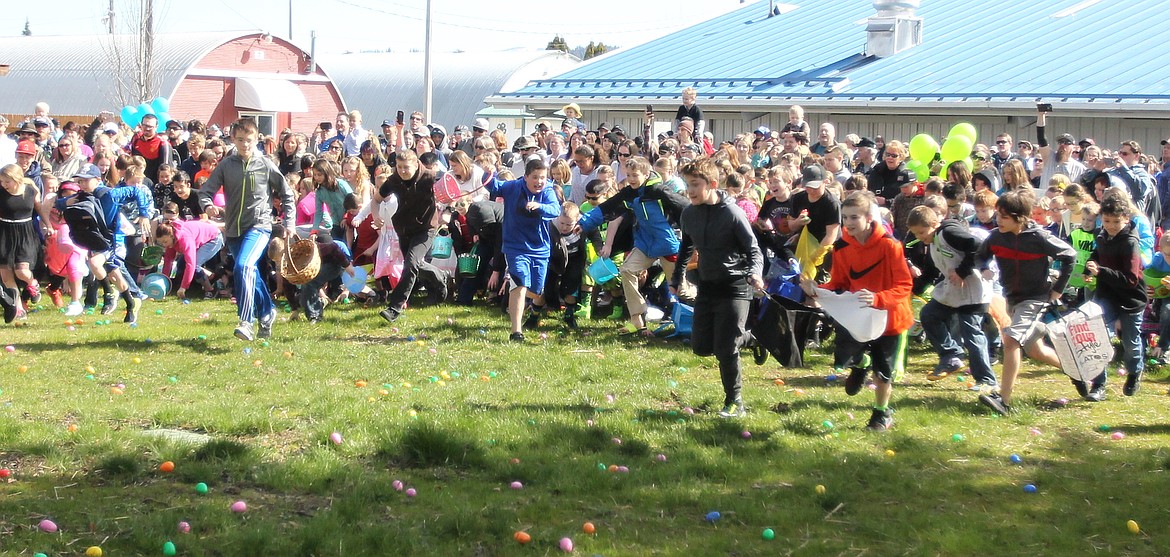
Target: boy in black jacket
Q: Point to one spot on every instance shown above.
(1121, 292)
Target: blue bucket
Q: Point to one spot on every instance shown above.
(603, 270)
(357, 283)
(156, 286)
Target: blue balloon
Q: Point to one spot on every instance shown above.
(129, 114)
(145, 109)
(160, 105)
(163, 118)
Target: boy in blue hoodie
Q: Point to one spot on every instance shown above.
(529, 204)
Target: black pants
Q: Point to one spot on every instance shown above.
(721, 311)
(415, 267)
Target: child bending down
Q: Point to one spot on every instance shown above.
(868, 260)
(334, 261)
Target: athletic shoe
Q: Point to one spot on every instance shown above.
(57, 299)
(996, 403)
(9, 304)
(1097, 393)
(74, 309)
(34, 292)
(516, 337)
(759, 353)
(266, 324)
(132, 310)
(880, 420)
(570, 318)
(855, 381)
(1132, 384)
(734, 409)
(390, 314)
(244, 331)
(109, 304)
(866, 360)
(981, 387)
(942, 370)
(1081, 387)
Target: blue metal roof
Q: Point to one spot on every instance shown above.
(1098, 50)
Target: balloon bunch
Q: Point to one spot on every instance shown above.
(957, 147)
(160, 107)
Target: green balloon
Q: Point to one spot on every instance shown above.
(923, 147)
(964, 129)
(956, 148)
(920, 169)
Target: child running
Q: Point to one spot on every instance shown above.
(1117, 263)
(1024, 253)
(868, 261)
(529, 204)
(729, 269)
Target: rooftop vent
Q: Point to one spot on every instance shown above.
(893, 28)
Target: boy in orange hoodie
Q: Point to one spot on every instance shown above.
(868, 260)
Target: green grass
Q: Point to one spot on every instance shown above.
(462, 423)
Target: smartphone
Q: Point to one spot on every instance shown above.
(649, 109)
(1044, 107)
(326, 126)
(400, 117)
(1110, 161)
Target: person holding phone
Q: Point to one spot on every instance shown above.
(1059, 160)
(323, 136)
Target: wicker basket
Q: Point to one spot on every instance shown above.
(301, 261)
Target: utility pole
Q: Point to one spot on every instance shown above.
(146, 51)
(110, 18)
(427, 68)
(290, 20)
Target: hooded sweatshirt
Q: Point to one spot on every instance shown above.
(526, 232)
(722, 233)
(953, 249)
(1119, 271)
(249, 186)
(879, 266)
(1024, 260)
(189, 237)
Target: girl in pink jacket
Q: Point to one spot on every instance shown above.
(198, 241)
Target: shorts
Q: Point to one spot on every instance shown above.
(115, 256)
(527, 271)
(888, 354)
(1026, 326)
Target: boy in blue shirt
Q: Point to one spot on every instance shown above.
(529, 204)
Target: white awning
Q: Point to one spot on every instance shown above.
(269, 95)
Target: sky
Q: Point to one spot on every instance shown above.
(356, 25)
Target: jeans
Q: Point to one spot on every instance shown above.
(937, 322)
(1130, 337)
(718, 329)
(415, 250)
(249, 287)
(310, 296)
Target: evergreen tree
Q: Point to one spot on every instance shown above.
(558, 43)
(27, 30)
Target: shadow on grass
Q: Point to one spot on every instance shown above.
(194, 345)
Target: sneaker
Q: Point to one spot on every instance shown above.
(570, 319)
(759, 353)
(982, 387)
(734, 409)
(866, 360)
(996, 403)
(57, 299)
(1132, 384)
(533, 320)
(1081, 387)
(616, 313)
(132, 310)
(880, 420)
(1096, 394)
(390, 314)
(9, 304)
(314, 320)
(516, 337)
(244, 331)
(942, 370)
(109, 304)
(74, 309)
(34, 292)
(855, 381)
(266, 324)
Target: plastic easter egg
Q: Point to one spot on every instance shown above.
(411, 492)
(566, 545)
(745, 434)
(713, 516)
(1117, 436)
(93, 551)
(397, 485)
(169, 547)
(335, 438)
(1029, 488)
(522, 537)
(588, 528)
(166, 467)
(137, 360)
(1034, 431)
(890, 453)
(1133, 527)
(5, 473)
(768, 534)
(820, 489)
(660, 458)
(957, 437)
(47, 526)
(10, 348)
(1015, 458)
(516, 485)
(201, 488)
(623, 469)
(184, 527)
(612, 468)
(778, 382)
(616, 441)
(239, 507)
(827, 424)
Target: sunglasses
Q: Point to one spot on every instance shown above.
(592, 197)
(623, 154)
(1000, 142)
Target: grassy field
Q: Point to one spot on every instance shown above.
(445, 406)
